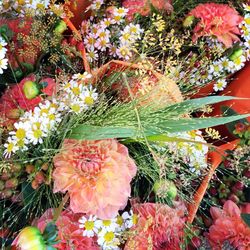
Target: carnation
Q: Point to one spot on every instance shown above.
(217, 20)
(159, 227)
(69, 233)
(97, 175)
(229, 226)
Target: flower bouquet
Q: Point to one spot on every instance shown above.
(100, 144)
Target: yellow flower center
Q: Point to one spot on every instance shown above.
(52, 117)
(38, 133)
(89, 100)
(134, 219)
(89, 225)
(106, 223)
(76, 91)
(75, 108)
(10, 147)
(119, 220)
(20, 143)
(44, 111)
(109, 236)
(117, 18)
(20, 133)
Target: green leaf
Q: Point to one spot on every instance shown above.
(246, 218)
(50, 234)
(89, 132)
(181, 125)
(194, 104)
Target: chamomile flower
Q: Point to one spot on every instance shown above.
(126, 38)
(96, 5)
(246, 7)
(106, 22)
(92, 55)
(3, 63)
(120, 12)
(124, 52)
(130, 219)
(89, 226)
(3, 50)
(103, 33)
(247, 20)
(109, 225)
(108, 240)
(82, 77)
(76, 106)
(215, 69)
(40, 4)
(113, 50)
(134, 29)
(239, 62)
(21, 130)
(36, 133)
(10, 147)
(90, 41)
(220, 85)
(102, 44)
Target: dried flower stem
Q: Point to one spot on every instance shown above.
(82, 51)
(215, 157)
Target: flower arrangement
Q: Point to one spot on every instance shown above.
(102, 144)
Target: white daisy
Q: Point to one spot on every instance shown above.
(124, 52)
(10, 147)
(102, 44)
(3, 63)
(108, 240)
(220, 85)
(108, 225)
(92, 55)
(89, 226)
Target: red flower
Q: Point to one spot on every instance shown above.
(69, 233)
(218, 20)
(228, 226)
(159, 227)
(240, 127)
(143, 6)
(14, 97)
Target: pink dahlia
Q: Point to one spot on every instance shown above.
(143, 6)
(159, 227)
(217, 20)
(69, 233)
(228, 226)
(97, 175)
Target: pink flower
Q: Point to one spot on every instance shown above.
(217, 20)
(97, 175)
(143, 6)
(159, 227)
(69, 233)
(228, 226)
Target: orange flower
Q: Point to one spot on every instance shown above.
(159, 227)
(228, 226)
(96, 174)
(218, 20)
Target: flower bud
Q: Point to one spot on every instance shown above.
(30, 169)
(5, 194)
(30, 90)
(237, 53)
(165, 188)
(5, 176)
(30, 238)
(34, 184)
(11, 183)
(188, 21)
(40, 177)
(60, 28)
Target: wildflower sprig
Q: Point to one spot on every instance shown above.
(102, 36)
(75, 96)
